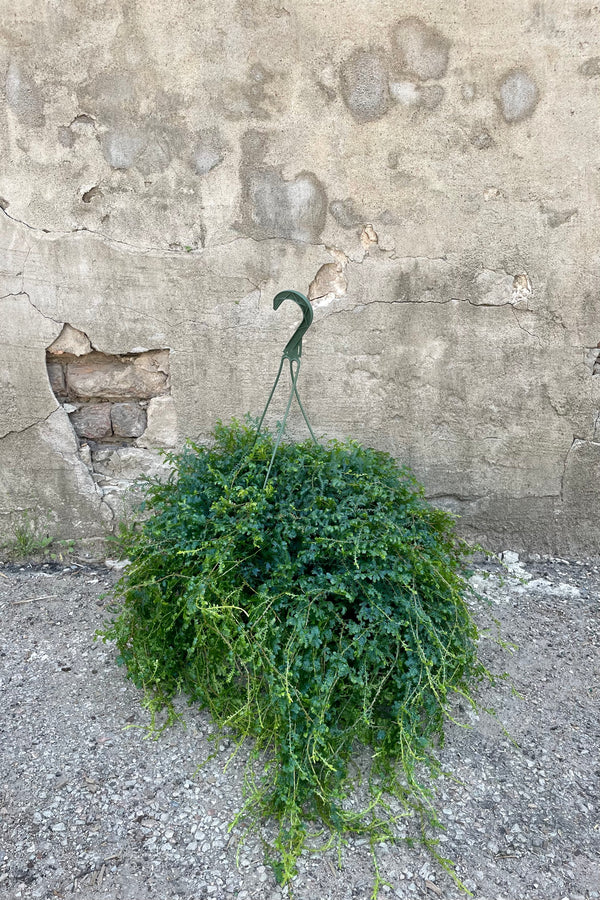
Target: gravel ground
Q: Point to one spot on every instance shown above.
(88, 806)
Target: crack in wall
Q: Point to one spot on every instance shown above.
(20, 274)
(464, 300)
(574, 442)
(36, 424)
(27, 297)
(168, 250)
(70, 459)
(105, 237)
(525, 330)
(38, 310)
(515, 309)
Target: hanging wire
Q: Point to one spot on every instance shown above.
(292, 352)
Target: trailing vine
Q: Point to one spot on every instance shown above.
(322, 612)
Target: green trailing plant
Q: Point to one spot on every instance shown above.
(317, 614)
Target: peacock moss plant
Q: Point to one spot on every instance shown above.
(317, 614)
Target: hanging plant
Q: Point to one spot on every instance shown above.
(322, 612)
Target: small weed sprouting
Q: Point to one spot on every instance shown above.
(30, 539)
(323, 612)
(32, 542)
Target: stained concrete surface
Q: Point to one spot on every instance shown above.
(168, 169)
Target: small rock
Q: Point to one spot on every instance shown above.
(565, 590)
(71, 341)
(539, 584)
(128, 419)
(92, 421)
(56, 376)
(98, 376)
(162, 430)
(117, 564)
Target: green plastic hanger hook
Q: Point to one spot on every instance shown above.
(293, 348)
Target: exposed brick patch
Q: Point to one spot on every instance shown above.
(106, 395)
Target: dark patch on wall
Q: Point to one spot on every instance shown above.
(345, 213)
(155, 157)
(112, 96)
(165, 142)
(518, 95)
(364, 85)
(420, 50)
(24, 97)
(403, 287)
(274, 207)
(122, 146)
(209, 151)
(558, 217)
(389, 217)
(66, 136)
(430, 96)
(414, 282)
(328, 92)
(254, 147)
(293, 209)
(250, 98)
(95, 191)
(255, 88)
(127, 139)
(590, 68)
(481, 139)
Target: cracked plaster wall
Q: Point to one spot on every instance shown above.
(427, 176)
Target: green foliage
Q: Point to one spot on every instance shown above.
(30, 539)
(323, 612)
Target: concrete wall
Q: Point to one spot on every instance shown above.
(427, 171)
